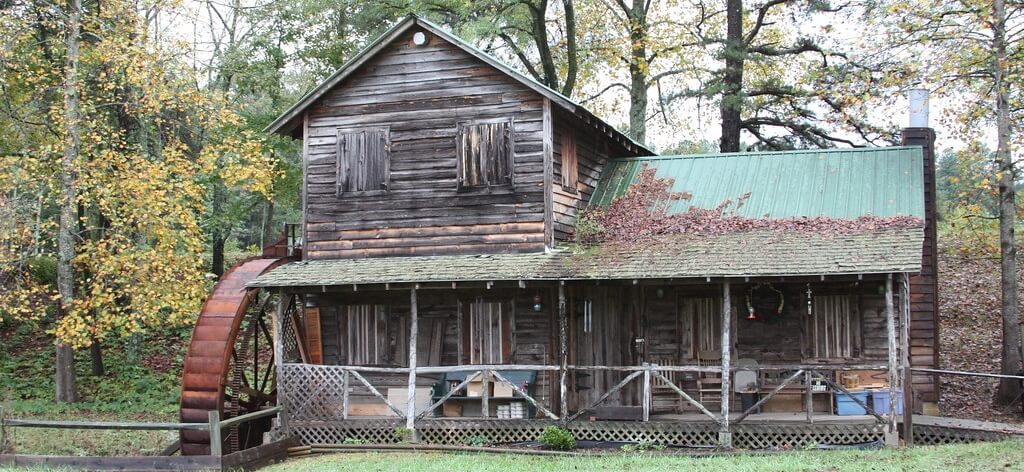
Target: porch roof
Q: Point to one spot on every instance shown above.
(748, 254)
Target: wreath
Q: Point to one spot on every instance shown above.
(758, 286)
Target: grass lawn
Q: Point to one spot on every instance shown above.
(972, 457)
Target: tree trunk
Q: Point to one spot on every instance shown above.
(572, 64)
(217, 265)
(96, 356)
(271, 233)
(65, 371)
(638, 71)
(732, 85)
(1009, 389)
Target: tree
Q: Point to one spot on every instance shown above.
(68, 222)
(971, 52)
(132, 123)
(780, 83)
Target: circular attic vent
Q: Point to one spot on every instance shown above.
(419, 38)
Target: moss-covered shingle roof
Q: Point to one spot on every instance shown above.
(749, 254)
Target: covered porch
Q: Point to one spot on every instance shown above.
(523, 340)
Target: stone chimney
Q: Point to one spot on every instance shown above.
(924, 313)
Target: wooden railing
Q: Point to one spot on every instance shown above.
(317, 391)
(215, 425)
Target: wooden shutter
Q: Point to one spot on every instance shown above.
(314, 344)
(363, 160)
(487, 333)
(484, 153)
(570, 165)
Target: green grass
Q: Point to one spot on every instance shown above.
(972, 457)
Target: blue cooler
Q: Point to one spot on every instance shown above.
(846, 406)
(881, 403)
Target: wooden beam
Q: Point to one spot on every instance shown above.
(906, 377)
(278, 335)
(890, 328)
(771, 394)
(724, 433)
(687, 397)
(563, 353)
(410, 404)
(549, 175)
(534, 402)
(808, 398)
(216, 443)
(607, 394)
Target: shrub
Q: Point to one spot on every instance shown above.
(557, 438)
(477, 440)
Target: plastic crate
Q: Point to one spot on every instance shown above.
(846, 406)
(881, 404)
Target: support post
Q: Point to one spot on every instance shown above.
(563, 352)
(410, 405)
(278, 333)
(907, 377)
(724, 433)
(485, 393)
(344, 396)
(2, 438)
(216, 443)
(892, 435)
(808, 397)
(647, 393)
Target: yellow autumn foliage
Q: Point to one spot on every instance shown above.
(152, 144)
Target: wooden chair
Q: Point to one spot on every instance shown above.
(709, 384)
(663, 398)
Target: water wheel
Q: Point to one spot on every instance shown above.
(229, 367)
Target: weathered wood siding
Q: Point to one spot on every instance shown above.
(421, 94)
(593, 149)
(438, 336)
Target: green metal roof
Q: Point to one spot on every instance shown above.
(836, 183)
(747, 254)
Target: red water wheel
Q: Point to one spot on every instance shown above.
(229, 367)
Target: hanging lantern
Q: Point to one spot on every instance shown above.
(753, 314)
(537, 306)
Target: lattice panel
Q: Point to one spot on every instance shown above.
(496, 431)
(775, 436)
(933, 435)
(362, 431)
(313, 392)
(669, 433)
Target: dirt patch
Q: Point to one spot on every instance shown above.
(970, 334)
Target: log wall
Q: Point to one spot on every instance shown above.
(421, 94)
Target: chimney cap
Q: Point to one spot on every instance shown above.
(918, 109)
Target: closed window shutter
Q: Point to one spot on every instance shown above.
(570, 167)
(364, 160)
(484, 154)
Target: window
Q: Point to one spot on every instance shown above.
(484, 154)
(363, 160)
(570, 166)
(834, 327)
(486, 333)
(367, 334)
(707, 323)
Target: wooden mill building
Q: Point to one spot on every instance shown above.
(439, 273)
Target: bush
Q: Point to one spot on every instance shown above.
(557, 438)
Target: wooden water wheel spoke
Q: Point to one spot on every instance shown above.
(228, 367)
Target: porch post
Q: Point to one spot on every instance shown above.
(891, 436)
(278, 334)
(907, 378)
(410, 405)
(563, 352)
(724, 433)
